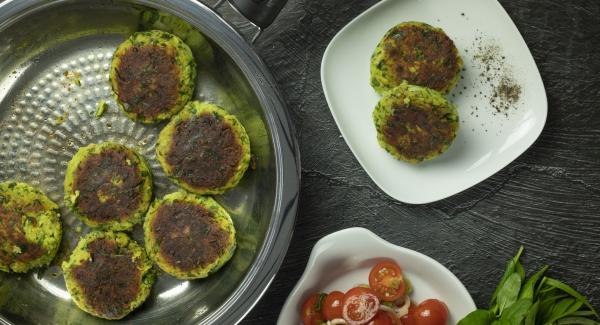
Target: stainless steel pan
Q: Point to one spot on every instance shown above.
(54, 57)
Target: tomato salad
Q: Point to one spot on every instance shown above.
(385, 301)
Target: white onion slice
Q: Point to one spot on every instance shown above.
(399, 312)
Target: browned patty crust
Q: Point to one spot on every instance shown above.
(110, 279)
(188, 235)
(421, 55)
(30, 227)
(148, 80)
(109, 188)
(12, 231)
(415, 123)
(431, 120)
(205, 151)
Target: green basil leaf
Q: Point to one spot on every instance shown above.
(477, 317)
(510, 269)
(576, 321)
(531, 315)
(562, 286)
(519, 270)
(528, 289)
(547, 305)
(509, 292)
(409, 286)
(583, 313)
(564, 308)
(319, 302)
(515, 313)
(551, 294)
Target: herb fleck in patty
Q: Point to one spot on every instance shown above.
(415, 123)
(108, 185)
(418, 54)
(188, 236)
(30, 228)
(204, 149)
(153, 75)
(108, 275)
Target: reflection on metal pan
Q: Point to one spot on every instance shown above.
(54, 59)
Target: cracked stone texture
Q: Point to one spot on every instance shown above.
(548, 199)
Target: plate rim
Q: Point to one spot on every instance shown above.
(355, 232)
(535, 134)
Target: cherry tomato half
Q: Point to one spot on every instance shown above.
(431, 312)
(310, 315)
(384, 318)
(332, 305)
(409, 319)
(387, 280)
(360, 305)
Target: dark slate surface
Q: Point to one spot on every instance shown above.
(548, 199)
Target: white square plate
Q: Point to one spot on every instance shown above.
(486, 142)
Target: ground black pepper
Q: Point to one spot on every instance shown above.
(505, 90)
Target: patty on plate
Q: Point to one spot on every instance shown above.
(204, 149)
(417, 53)
(108, 274)
(108, 186)
(153, 75)
(189, 236)
(415, 123)
(30, 228)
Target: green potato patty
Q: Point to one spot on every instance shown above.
(189, 236)
(108, 274)
(152, 75)
(108, 186)
(30, 228)
(415, 123)
(204, 149)
(417, 53)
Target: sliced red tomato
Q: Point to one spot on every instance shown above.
(409, 319)
(431, 312)
(360, 305)
(311, 314)
(332, 305)
(383, 318)
(387, 280)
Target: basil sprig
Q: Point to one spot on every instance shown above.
(539, 300)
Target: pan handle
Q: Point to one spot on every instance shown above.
(260, 12)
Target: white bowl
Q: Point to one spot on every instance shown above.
(343, 259)
(486, 141)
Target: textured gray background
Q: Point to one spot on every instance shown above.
(548, 199)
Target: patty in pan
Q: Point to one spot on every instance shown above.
(417, 53)
(189, 236)
(108, 274)
(108, 186)
(30, 228)
(153, 75)
(415, 123)
(204, 149)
